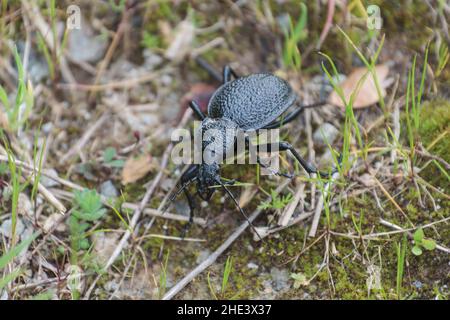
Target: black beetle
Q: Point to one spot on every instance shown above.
(247, 103)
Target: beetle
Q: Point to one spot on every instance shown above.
(245, 103)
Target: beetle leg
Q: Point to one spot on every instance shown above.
(227, 73)
(258, 160)
(283, 146)
(196, 108)
(192, 207)
(188, 176)
(275, 172)
(291, 116)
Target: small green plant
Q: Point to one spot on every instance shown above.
(108, 158)
(89, 205)
(413, 106)
(163, 276)
(277, 202)
(226, 274)
(444, 57)
(421, 242)
(88, 208)
(9, 256)
(17, 186)
(299, 280)
(293, 35)
(18, 112)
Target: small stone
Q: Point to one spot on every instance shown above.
(47, 127)
(151, 59)
(47, 181)
(167, 184)
(24, 206)
(84, 46)
(111, 286)
(108, 190)
(280, 278)
(252, 265)
(104, 245)
(326, 159)
(203, 255)
(182, 208)
(325, 134)
(5, 228)
(417, 284)
(51, 221)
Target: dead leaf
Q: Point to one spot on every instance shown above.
(136, 168)
(367, 94)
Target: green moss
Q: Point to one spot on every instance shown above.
(435, 120)
(435, 124)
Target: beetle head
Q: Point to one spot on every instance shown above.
(208, 176)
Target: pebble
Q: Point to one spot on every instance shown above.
(84, 46)
(280, 278)
(417, 284)
(325, 133)
(203, 255)
(48, 182)
(5, 228)
(108, 189)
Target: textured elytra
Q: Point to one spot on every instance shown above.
(252, 102)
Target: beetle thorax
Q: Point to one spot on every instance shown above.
(217, 139)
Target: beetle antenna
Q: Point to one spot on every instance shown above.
(177, 193)
(239, 207)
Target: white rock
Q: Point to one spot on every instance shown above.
(84, 46)
(108, 189)
(5, 228)
(326, 133)
(252, 265)
(48, 182)
(104, 245)
(24, 206)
